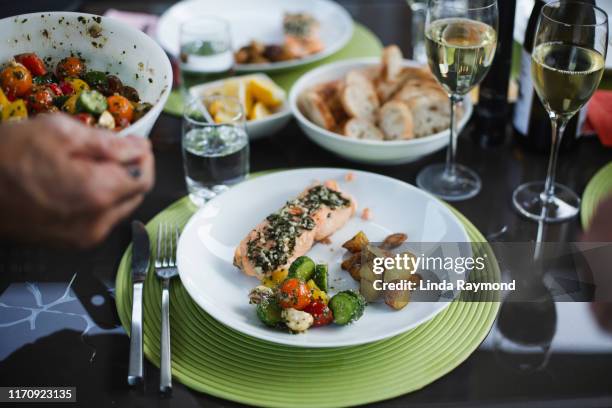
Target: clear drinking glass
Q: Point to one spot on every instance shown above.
(205, 51)
(460, 40)
(215, 146)
(418, 9)
(567, 64)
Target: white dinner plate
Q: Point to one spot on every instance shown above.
(262, 21)
(207, 244)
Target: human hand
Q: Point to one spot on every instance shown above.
(66, 183)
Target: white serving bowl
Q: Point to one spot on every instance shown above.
(260, 128)
(106, 45)
(364, 151)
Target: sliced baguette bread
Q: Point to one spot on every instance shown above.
(392, 60)
(396, 121)
(431, 113)
(358, 128)
(359, 99)
(416, 87)
(314, 107)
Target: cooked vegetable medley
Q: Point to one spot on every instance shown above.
(28, 87)
(297, 299)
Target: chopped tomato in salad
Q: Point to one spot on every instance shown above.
(297, 299)
(29, 87)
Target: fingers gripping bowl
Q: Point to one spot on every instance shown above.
(105, 44)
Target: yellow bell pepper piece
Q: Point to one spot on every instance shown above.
(3, 99)
(317, 294)
(70, 104)
(279, 276)
(78, 85)
(15, 110)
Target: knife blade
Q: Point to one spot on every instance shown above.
(140, 267)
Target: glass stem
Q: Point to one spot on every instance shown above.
(450, 171)
(558, 129)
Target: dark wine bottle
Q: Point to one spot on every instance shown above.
(493, 107)
(531, 121)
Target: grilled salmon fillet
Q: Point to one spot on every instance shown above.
(289, 233)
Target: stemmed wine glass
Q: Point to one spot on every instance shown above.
(460, 39)
(567, 64)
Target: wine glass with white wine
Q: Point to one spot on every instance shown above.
(460, 40)
(567, 64)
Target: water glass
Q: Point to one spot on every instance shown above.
(215, 146)
(205, 51)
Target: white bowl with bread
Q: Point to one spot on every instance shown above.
(375, 111)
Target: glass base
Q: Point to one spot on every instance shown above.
(530, 201)
(199, 194)
(464, 184)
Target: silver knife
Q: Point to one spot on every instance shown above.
(140, 266)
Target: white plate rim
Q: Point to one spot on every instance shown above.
(297, 113)
(344, 19)
(249, 329)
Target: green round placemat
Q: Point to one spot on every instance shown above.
(598, 188)
(363, 43)
(215, 359)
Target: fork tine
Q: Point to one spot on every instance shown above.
(158, 258)
(177, 234)
(165, 241)
(171, 244)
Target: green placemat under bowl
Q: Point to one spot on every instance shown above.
(596, 191)
(212, 358)
(363, 43)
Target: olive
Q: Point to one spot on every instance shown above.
(113, 86)
(130, 93)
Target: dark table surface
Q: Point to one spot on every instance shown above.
(58, 324)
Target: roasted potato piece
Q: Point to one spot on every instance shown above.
(366, 288)
(394, 240)
(350, 261)
(357, 243)
(397, 299)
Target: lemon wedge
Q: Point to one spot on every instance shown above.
(259, 111)
(265, 92)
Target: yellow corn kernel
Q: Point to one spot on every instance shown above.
(78, 85)
(279, 275)
(16, 110)
(70, 104)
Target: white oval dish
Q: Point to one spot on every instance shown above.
(262, 21)
(115, 47)
(206, 249)
(364, 151)
(260, 128)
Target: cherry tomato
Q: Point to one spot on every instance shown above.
(67, 88)
(70, 67)
(321, 313)
(32, 62)
(121, 124)
(15, 80)
(86, 118)
(120, 107)
(40, 99)
(55, 88)
(293, 293)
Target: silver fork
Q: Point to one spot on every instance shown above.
(165, 269)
